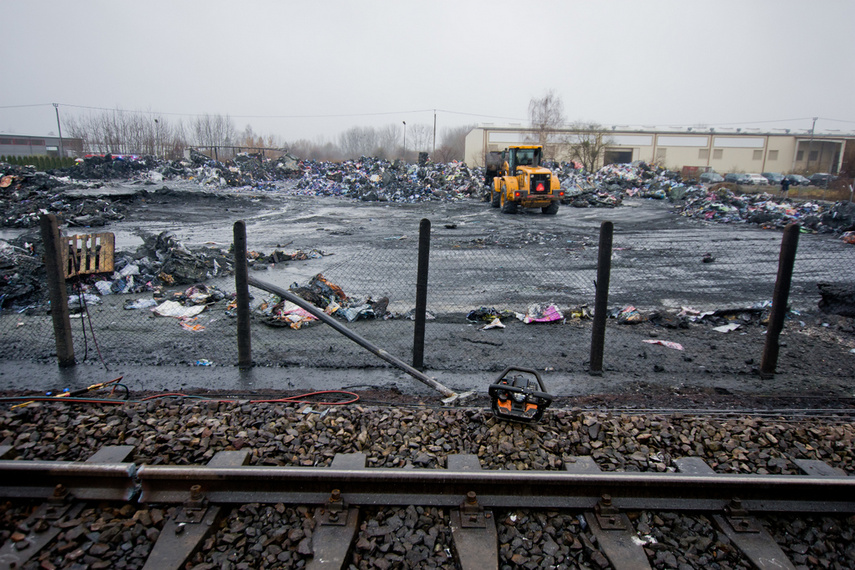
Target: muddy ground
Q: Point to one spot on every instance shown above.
(816, 364)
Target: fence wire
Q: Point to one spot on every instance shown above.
(650, 269)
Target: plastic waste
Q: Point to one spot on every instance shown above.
(88, 298)
(630, 316)
(139, 304)
(540, 314)
(177, 310)
(668, 343)
(104, 287)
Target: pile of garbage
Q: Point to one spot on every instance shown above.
(22, 273)
(767, 211)
(374, 179)
(610, 185)
(245, 170)
(26, 194)
(324, 295)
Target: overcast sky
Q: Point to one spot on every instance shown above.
(311, 69)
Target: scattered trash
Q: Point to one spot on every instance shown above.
(326, 296)
(488, 315)
(540, 314)
(668, 343)
(139, 304)
(203, 362)
(628, 316)
(77, 301)
(494, 324)
(192, 325)
(177, 310)
(727, 328)
(581, 312)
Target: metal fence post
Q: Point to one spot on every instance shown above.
(421, 295)
(242, 296)
(601, 301)
(57, 290)
(786, 261)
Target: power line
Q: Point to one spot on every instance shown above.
(21, 106)
(380, 113)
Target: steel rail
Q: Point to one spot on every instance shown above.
(85, 481)
(429, 487)
(512, 489)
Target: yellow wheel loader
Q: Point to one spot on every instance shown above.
(519, 181)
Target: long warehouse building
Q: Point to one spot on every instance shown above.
(719, 150)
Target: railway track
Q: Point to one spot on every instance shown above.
(348, 515)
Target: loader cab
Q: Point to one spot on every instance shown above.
(523, 156)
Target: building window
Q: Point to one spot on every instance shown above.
(758, 155)
(773, 155)
(703, 153)
(21, 142)
(5, 141)
(717, 153)
(800, 155)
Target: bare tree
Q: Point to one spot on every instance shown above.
(213, 131)
(358, 141)
(389, 139)
(546, 115)
(587, 144)
(453, 145)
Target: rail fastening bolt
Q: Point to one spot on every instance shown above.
(195, 492)
(471, 499)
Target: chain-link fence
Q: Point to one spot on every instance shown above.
(711, 266)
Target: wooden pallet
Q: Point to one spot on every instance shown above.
(88, 253)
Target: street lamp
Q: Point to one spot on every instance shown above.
(810, 144)
(59, 129)
(405, 140)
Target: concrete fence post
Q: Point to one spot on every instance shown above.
(421, 295)
(242, 296)
(601, 301)
(57, 290)
(786, 262)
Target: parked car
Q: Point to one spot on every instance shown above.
(756, 180)
(711, 178)
(774, 178)
(821, 179)
(736, 178)
(797, 180)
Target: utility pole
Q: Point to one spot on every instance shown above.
(405, 140)
(59, 128)
(810, 144)
(434, 131)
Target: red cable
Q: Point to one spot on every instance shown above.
(289, 400)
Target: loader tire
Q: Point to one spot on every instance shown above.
(496, 201)
(507, 207)
(551, 209)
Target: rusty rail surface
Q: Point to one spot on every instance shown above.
(468, 491)
(678, 491)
